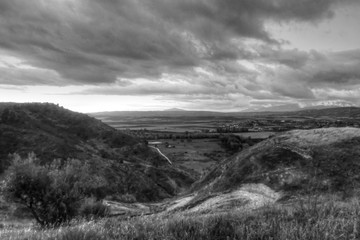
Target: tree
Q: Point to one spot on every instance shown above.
(53, 192)
(231, 142)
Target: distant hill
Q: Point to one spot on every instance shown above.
(167, 113)
(52, 132)
(175, 110)
(337, 112)
(299, 161)
(293, 107)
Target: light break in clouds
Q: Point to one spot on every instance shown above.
(228, 55)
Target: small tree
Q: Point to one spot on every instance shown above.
(54, 192)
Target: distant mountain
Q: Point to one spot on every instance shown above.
(175, 110)
(337, 112)
(139, 114)
(52, 132)
(293, 107)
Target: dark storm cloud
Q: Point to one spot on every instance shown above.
(90, 41)
(241, 17)
(337, 69)
(338, 76)
(218, 52)
(324, 78)
(291, 58)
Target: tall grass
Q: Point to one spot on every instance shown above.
(303, 220)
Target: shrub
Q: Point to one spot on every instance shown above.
(125, 198)
(92, 209)
(80, 234)
(53, 192)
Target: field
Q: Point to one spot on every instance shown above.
(256, 135)
(161, 123)
(164, 127)
(195, 156)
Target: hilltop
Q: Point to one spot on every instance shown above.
(289, 161)
(338, 112)
(52, 132)
(290, 164)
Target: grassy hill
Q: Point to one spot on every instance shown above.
(319, 163)
(295, 162)
(52, 132)
(339, 112)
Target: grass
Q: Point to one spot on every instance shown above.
(322, 136)
(305, 219)
(196, 156)
(261, 135)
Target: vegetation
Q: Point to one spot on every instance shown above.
(94, 161)
(294, 162)
(54, 192)
(235, 143)
(52, 132)
(93, 209)
(306, 219)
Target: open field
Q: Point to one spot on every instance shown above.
(164, 127)
(196, 156)
(194, 121)
(256, 135)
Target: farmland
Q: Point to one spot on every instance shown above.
(195, 156)
(192, 143)
(196, 138)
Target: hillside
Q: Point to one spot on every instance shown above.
(293, 160)
(52, 132)
(339, 112)
(289, 164)
(244, 197)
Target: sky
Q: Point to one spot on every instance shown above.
(218, 55)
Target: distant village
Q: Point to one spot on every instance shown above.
(276, 125)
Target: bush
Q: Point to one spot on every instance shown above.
(21, 212)
(125, 198)
(53, 193)
(80, 234)
(92, 209)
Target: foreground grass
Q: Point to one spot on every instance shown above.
(305, 220)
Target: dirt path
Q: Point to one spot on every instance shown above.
(162, 154)
(248, 197)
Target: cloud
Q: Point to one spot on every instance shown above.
(209, 49)
(339, 69)
(91, 41)
(96, 41)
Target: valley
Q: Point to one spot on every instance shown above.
(179, 120)
(153, 179)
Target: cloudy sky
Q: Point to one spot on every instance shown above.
(221, 55)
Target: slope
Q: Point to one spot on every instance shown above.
(52, 132)
(293, 163)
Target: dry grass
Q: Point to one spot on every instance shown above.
(322, 136)
(307, 219)
(196, 156)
